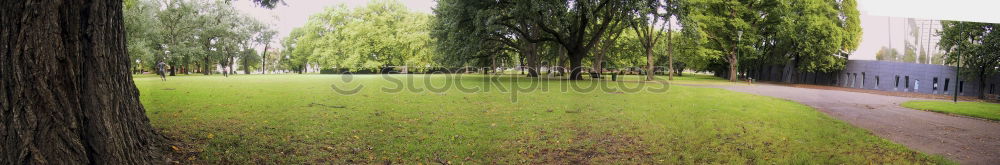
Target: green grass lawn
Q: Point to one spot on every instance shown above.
(983, 110)
(300, 119)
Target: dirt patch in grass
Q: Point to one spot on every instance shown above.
(586, 147)
(178, 152)
(878, 92)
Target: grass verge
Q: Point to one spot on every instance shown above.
(982, 110)
(300, 119)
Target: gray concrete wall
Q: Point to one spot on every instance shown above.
(863, 74)
(881, 75)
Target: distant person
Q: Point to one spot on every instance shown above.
(161, 70)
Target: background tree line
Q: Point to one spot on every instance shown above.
(919, 49)
(973, 46)
(724, 36)
(376, 36)
(194, 36)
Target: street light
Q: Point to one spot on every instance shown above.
(739, 38)
(958, 70)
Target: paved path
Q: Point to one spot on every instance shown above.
(965, 140)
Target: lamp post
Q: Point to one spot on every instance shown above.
(739, 38)
(958, 70)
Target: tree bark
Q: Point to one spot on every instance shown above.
(732, 66)
(649, 63)
(173, 70)
(231, 62)
(576, 65)
(246, 66)
(66, 95)
(530, 53)
(206, 63)
(263, 59)
(670, 51)
(598, 61)
(982, 83)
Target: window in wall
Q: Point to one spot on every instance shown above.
(855, 80)
(935, 84)
(897, 81)
(961, 86)
(847, 79)
(863, 79)
(907, 81)
(946, 81)
(877, 82)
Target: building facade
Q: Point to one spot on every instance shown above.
(889, 76)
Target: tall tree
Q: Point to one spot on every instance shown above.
(377, 36)
(473, 30)
(577, 26)
(724, 22)
(647, 18)
(886, 54)
(67, 95)
(973, 45)
(815, 35)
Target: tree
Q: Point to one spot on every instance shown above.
(723, 23)
(139, 23)
(607, 45)
(647, 16)
(67, 95)
(174, 38)
(380, 35)
(909, 54)
(577, 26)
(816, 36)
(886, 54)
(938, 58)
(471, 32)
(974, 46)
(184, 32)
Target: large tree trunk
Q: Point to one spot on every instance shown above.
(185, 70)
(231, 62)
(982, 83)
(173, 70)
(576, 65)
(246, 67)
(575, 58)
(598, 61)
(531, 55)
(206, 63)
(520, 64)
(670, 51)
(732, 66)
(649, 63)
(263, 59)
(66, 95)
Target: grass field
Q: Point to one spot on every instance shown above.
(983, 110)
(301, 119)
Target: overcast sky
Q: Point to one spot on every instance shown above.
(879, 17)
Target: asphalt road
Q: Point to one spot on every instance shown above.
(962, 139)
